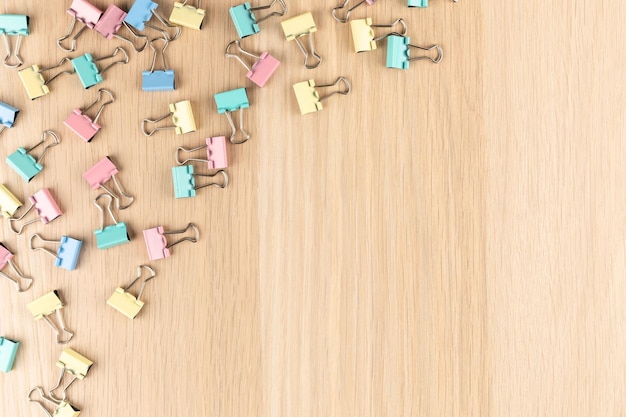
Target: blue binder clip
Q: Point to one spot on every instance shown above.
(87, 71)
(231, 101)
(67, 254)
(163, 80)
(185, 183)
(8, 114)
(398, 52)
(13, 25)
(246, 22)
(139, 15)
(113, 235)
(8, 350)
(24, 164)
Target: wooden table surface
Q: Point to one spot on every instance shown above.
(444, 241)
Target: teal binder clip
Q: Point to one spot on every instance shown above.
(13, 25)
(399, 56)
(88, 72)
(8, 350)
(231, 101)
(418, 3)
(113, 235)
(185, 183)
(246, 22)
(24, 164)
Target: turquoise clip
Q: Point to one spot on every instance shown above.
(113, 235)
(8, 350)
(418, 3)
(24, 164)
(88, 72)
(14, 25)
(232, 100)
(185, 183)
(244, 20)
(399, 54)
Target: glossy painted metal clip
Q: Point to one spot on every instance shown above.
(111, 22)
(45, 206)
(84, 12)
(8, 114)
(185, 183)
(13, 25)
(158, 80)
(102, 172)
(35, 84)
(187, 16)
(126, 303)
(9, 204)
(44, 307)
(247, 23)
(297, 27)
(182, 117)
(140, 14)
(231, 101)
(81, 124)
(309, 99)
(61, 408)
(87, 71)
(74, 364)
(216, 157)
(6, 258)
(67, 254)
(363, 33)
(24, 164)
(113, 235)
(156, 241)
(8, 351)
(399, 56)
(262, 69)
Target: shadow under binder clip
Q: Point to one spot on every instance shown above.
(84, 12)
(363, 33)
(8, 114)
(216, 157)
(6, 258)
(398, 52)
(140, 13)
(421, 3)
(297, 27)
(159, 80)
(185, 183)
(182, 116)
(262, 69)
(231, 101)
(8, 351)
(44, 307)
(61, 408)
(126, 303)
(9, 204)
(45, 207)
(113, 235)
(102, 172)
(83, 125)
(310, 101)
(73, 363)
(24, 164)
(344, 5)
(156, 241)
(13, 25)
(87, 71)
(187, 16)
(35, 84)
(246, 22)
(66, 256)
(111, 22)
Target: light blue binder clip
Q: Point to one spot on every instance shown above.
(8, 350)
(246, 22)
(418, 3)
(231, 101)
(140, 14)
(13, 25)
(164, 80)
(24, 164)
(66, 256)
(399, 56)
(8, 114)
(88, 72)
(185, 183)
(113, 235)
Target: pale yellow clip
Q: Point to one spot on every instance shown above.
(73, 363)
(46, 305)
(363, 35)
(308, 97)
(62, 408)
(299, 26)
(182, 116)
(9, 204)
(126, 303)
(187, 16)
(66, 409)
(33, 82)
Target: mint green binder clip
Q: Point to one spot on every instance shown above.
(13, 25)
(24, 164)
(399, 53)
(230, 101)
(88, 72)
(418, 3)
(185, 183)
(8, 351)
(113, 235)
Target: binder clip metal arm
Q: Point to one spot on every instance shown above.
(237, 43)
(13, 25)
(347, 88)
(166, 43)
(61, 408)
(6, 258)
(167, 24)
(44, 307)
(344, 5)
(282, 5)
(297, 27)
(84, 12)
(106, 103)
(60, 63)
(112, 64)
(76, 365)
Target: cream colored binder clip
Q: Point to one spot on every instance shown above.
(73, 363)
(297, 27)
(309, 99)
(126, 303)
(61, 408)
(45, 306)
(363, 35)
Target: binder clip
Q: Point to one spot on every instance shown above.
(216, 157)
(83, 125)
(84, 12)
(344, 5)
(44, 307)
(8, 114)
(73, 363)
(308, 97)
(185, 183)
(35, 84)
(262, 69)
(157, 245)
(61, 408)
(67, 254)
(6, 258)
(421, 3)
(111, 22)
(45, 207)
(88, 72)
(8, 351)
(246, 22)
(160, 80)
(9, 204)
(230, 101)
(398, 52)
(126, 303)
(140, 13)
(102, 172)
(187, 16)
(297, 27)
(363, 33)
(182, 116)
(13, 25)
(113, 235)
(24, 164)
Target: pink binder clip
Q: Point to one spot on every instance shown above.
(263, 68)
(102, 172)
(111, 22)
(84, 12)
(156, 243)
(6, 258)
(81, 124)
(45, 207)
(215, 151)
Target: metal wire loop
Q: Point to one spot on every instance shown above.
(143, 284)
(106, 103)
(115, 52)
(186, 238)
(307, 54)
(15, 53)
(435, 60)
(156, 129)
(342, 6)
(397, 21)
(42, 248)
(68, 34)
(347, 89)
(154, 56)
(246, 135)
(95, 201)
(224, 184)
(282, 5)
(243, 51)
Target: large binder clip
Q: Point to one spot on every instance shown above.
(126, 303)
(297, 27)
(216, 157)
(84, 12)
(45, 207)
(83, 125)
(160, 80)
(9, 204)
(8, 114)
(308, 97)
(8, 351)
(73, 363)
(344, 5)
(262, 69)
(35, 84)
(185, 183)
(421, 3)
(88, 72)
(13, 25)
(113, 235)
(61, 408)
(44, 307)
(111, 22)
(156, 242)
(363, 33)
(182, 116)
(6, 258)
(230, 101)
(102, 172)
(66, 256)
(187, 16)
(140, 13)
(246, 22)
(398, 52)
(24, 164)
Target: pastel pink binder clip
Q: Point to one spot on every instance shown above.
(102, 172)
(83, 125)
(84, 12)
(111, 22)
(262, 69)
(156, 242)
(45, 207)
(6, 258)
(215, 151)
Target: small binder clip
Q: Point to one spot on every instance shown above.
(6, 258)
(156, 242)
(45, 207)
(160, 80)
(67, 254)
(24, 164)
(73, 363)
(185, 183)
(102, 172)
(344, 5)
(8, 114)
(297, 27)
(83, 125)
(126, 303)
(113, 235)
(140, 13)
(35, 84)
(421, 3)
(61, 408)
(84, 12)
(9, 204)
(44, 307)
(246, 22)
(398, 52)
(8, 350)
(231, 101)
(13, 25)
(88, 72)
(309, 99)
(111, 22)
(182, 116)
(216, 157)
(363, 33)
(187, 16)
(262, 69)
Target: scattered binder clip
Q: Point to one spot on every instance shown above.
(44, 307)
(84, 12)
(111, 22)
(45, 207)
(421, 3)
(156, 242)
(160, 80)
(24, 164)
(216, 157)
(185, 183)
(398, 52)
(13, 25)
(246, 22)
(6, 258)
(363, 33)
(66, 256)
(113, 235)
(140, 13)
(344, 5)
(87, 71)
(231, 101)
(35, 84)
(73, 363)
(8, 114)
(61, 408)
(187, 16)
(102, 172)
(297, 27)
(9, 204)
(126, 303)
(83, 125)
(308, 97)
(8, 351)
(262, 69)
(182, 116)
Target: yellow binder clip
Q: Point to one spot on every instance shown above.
(73, 363)
(363, 33)
(297, 27)
(9, 204)
(61, 408)
(126, 303)
(35, 84)
(45, 306)
(187, 16)
(182, 116)
(308, 97)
